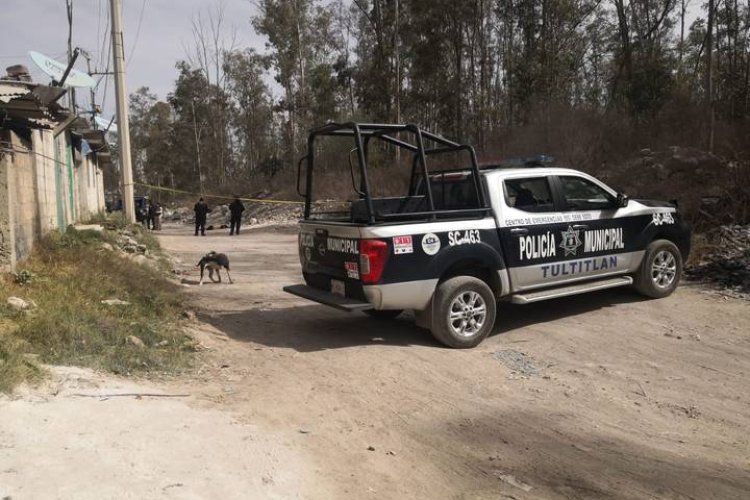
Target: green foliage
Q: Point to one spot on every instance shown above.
(582, 79)
(23, 277)
(71, 325)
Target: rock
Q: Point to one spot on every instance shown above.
(89, 227)
(142, 248)
(163, 343)
(130, 248)
(190, 315)
(106, 246)
(370, 448)
(19, 304)
(115, 302)
(133, 340)
(140, 259)
(253, 221)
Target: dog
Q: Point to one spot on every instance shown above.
(214, 262)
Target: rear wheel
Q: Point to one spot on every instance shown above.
(464, 311)
(660, 271)
(384, 314)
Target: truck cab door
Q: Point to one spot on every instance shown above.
(529, 222)
(594, 216)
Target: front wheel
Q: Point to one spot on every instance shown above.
(660, 271)
(464, 311)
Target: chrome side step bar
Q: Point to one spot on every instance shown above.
(553, 293)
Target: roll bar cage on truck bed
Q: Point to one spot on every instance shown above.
(421, 202)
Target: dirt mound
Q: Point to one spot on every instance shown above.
(696, 179)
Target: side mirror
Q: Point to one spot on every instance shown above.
(622, 200)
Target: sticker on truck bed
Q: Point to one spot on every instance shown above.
(402, 245)
(430, 243)
(352, 270)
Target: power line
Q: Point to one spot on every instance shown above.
(137, 34)
(104, 39)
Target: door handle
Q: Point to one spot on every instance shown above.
(519, 230)
(580, 226)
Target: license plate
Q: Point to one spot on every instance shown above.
(338, 288)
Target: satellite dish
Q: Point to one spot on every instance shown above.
(56, 69)
(104, 124)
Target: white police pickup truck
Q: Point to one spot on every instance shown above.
(460, 238)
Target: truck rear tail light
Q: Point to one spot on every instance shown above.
(372, 257)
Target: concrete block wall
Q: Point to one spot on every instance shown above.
(22, 198)
(6, 238)
(40, 191)
(88, 187)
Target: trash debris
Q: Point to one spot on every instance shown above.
(115, 302)
(19, 304)
(133, 340)
(727, 262)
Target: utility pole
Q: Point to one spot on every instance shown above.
(710, 75)
(71, 91)
(123, 127)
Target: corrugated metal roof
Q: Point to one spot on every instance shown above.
(30, 104)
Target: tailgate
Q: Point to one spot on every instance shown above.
(329, 255)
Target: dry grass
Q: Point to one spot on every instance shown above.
(69, 277)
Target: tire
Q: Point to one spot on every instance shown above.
(456, 300)
(384, 314)
(660, 271)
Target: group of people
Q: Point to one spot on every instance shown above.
(153, 216)
(235, 220)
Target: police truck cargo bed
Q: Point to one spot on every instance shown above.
(457, 238)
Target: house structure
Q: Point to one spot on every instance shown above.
(52, 164)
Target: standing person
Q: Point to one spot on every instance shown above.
(156, 220)
(201, 210)
(150, 215)
(235, 208)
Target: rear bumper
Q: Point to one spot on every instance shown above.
(327, 298)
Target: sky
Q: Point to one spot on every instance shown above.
(156, 34)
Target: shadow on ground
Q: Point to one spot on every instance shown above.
(579, 462)
(315, 327)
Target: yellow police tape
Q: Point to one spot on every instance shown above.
(257, 200)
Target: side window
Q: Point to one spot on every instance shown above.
(530, 194)
(582, 194)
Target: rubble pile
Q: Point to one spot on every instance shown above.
(127, 243)
(727, 261)
(272, 213)
(255, 213)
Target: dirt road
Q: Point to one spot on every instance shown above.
(598, 396)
